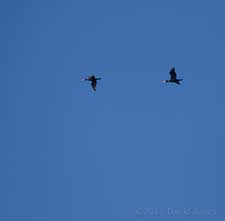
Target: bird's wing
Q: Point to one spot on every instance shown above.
(93, 84)
(173, 74)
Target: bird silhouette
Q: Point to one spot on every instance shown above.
(173, 77)
(93, 80)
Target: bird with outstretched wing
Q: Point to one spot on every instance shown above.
(93, 80)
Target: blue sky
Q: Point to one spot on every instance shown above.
(135, 144)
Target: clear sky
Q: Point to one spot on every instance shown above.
(136, 149)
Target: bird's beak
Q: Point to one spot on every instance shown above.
(163, 81)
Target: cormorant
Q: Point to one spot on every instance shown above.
(93, 80)
(173, 77)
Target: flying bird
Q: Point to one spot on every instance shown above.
(93, 80)
(173, 77)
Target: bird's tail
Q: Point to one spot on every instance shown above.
(178, 81)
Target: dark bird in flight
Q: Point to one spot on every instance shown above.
(93, 80)
(173, 77)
